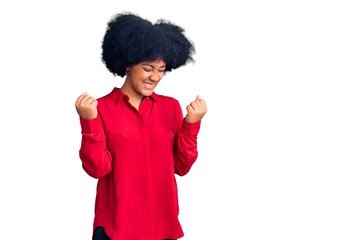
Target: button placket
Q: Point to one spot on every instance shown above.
(146, 145)
(148, 169)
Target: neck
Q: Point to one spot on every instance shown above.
(132, 94)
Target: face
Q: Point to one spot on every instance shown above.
(145, 76)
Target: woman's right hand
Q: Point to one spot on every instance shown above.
(86, 106)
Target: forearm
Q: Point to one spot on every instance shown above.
(96, 158)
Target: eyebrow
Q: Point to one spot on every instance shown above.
(153, 66)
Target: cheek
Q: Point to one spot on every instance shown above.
(141, 77)
(145, 75)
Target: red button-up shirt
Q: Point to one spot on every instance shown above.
(134, 154)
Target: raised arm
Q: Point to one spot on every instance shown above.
(96, 160)
(185, 146)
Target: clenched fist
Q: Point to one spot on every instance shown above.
(196, 110)
(86, 106)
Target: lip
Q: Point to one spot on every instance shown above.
(148, 87)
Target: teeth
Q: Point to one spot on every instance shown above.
(148, 85)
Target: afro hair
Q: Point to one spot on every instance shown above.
(130, 39)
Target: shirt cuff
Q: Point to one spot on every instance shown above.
(90, 126)
(191, 128)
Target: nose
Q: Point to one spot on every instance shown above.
(155, 77)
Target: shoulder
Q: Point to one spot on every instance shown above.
(104, 102)
(167, 100)
(171, 105)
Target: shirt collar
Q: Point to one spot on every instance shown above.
(117, 95)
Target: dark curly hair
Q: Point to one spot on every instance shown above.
(130, 39)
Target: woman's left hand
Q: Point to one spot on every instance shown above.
(196, 110)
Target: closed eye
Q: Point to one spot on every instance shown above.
(150, 70)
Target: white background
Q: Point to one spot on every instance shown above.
(278, 148)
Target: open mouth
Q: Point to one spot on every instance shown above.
(148, 85)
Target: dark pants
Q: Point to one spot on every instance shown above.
(100, 234)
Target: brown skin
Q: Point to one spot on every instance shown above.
(86, 106)
(151, 72)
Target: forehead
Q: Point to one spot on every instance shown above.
(157, 63)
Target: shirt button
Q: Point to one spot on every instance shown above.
(147, 97)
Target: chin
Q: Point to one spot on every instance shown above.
(148, 91)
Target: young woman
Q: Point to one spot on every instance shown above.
(134, 140)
